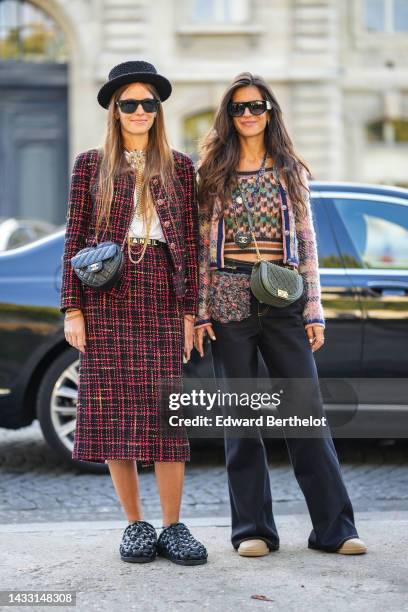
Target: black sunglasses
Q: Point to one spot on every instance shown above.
(256, 107)
(129, 105)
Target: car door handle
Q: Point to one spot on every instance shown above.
(391, 288)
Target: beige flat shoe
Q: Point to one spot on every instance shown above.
(253, 548)
(354, 546)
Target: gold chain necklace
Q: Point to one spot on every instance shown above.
(137, 159)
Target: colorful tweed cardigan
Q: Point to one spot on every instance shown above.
(299, 250)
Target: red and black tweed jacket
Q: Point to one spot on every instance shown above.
(177, 209)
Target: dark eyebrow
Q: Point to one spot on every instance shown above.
(134, 99)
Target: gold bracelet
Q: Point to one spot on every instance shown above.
(78, 314)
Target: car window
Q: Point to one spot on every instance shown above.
(329, 256)
(18, 238)
(378, 230)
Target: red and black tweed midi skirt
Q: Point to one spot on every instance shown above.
(134, 344)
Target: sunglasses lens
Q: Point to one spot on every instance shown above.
(257, 108)
(236, 109)
(150, 106)
(127, 106)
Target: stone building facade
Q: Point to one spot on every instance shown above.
(336, 66)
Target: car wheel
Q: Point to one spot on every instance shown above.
(56, 409)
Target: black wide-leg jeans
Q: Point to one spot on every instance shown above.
(280, 335)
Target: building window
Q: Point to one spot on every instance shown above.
(194, 128)
(28, 33)
(220, 11)
(386, 16)
(401, 15)
(388, 131)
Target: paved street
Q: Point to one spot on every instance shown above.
(37, 486)
(60, 530)
(84, 558)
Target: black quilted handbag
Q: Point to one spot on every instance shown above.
(99, 266)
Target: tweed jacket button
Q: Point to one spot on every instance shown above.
(166, 223)
(160, 202)
(172, 245)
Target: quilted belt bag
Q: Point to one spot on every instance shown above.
(99, 266)
(270, 283)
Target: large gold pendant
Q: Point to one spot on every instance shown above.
(137, 159)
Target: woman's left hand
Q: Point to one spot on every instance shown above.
(315, 334)
(188, 336)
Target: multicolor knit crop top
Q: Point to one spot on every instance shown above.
(267, 216)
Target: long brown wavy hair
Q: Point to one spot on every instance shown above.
(112, 163)
(220, 149)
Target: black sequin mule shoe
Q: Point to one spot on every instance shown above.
(178, 545)
(139, 543)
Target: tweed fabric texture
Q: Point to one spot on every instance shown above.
(135, 330)
(299, 250)
(134, 345)
(176, 207)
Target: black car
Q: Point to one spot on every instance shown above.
(362, 234)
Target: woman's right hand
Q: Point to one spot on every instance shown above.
(74, 330)
(199, 337)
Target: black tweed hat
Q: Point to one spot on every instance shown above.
(132, 72)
